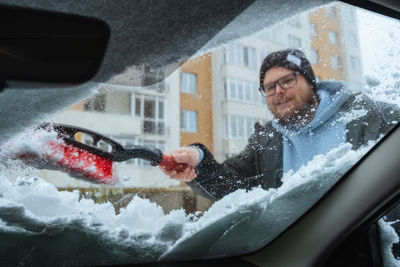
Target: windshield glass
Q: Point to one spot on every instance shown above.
(259, 148)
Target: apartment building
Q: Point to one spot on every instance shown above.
(335, 50)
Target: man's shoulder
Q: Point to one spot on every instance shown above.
(368, 118)
(265, 133)
(359, 101)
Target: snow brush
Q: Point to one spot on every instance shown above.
(87, 155)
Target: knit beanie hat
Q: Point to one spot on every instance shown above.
(290, 58)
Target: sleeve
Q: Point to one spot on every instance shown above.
(201, 152)
(215, 180)
(383, 119)
(379, 120)
(390, 115)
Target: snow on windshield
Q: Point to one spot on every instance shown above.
(34, 209)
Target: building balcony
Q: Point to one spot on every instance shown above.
(233, 107)
(103, 123)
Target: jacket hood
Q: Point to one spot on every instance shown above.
(332, 95)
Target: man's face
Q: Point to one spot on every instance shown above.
(291, 105)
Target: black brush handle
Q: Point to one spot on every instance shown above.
(154, 155)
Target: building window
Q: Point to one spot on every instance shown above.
(245, 56)
(189, 121)
(353, 62)
(314, 56)
(294, 42)
(295, 21)
(263, 54)
(332, 37)
(231, 55)
(240, 127)
(240, 55)
(242, 91)
(353, 38)
(188, 82)
(249, 57)
(331, 11)
(313, 30)
(335, 62)
(96, 103)
(349, 15)
(252, 58)
(248, 92)
(151, 110)
(272, 33)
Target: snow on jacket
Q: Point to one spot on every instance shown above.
(262, 161)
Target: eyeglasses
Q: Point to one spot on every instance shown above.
(286, 82)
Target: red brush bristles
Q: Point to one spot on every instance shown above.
(79, 162)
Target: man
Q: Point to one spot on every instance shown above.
(308, 120)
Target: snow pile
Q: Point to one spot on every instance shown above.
(232, 227)
(32, 210)
(388, 237)
(33, 207)
(40, 208)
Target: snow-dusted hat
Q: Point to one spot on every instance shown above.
(290, 58)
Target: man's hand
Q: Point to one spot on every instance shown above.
(187, 155)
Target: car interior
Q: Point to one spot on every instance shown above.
(324, 236)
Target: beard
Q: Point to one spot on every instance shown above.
(301, 115)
